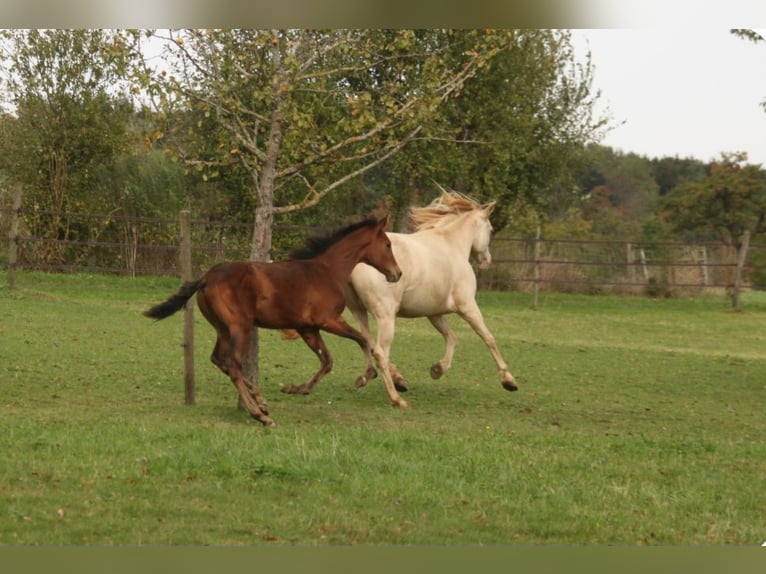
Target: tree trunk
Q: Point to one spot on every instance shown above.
(260, 247)
(259, 251)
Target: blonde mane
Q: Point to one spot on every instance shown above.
(441, 210)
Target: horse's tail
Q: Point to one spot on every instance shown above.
(176, 301)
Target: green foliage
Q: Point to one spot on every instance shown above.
(636, 423)
(69, 117)
(724, 204)
(669, 172)
(283, 118)
(514, 132)
(145, 183)
(500, 114)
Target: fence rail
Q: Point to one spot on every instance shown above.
(122, 244)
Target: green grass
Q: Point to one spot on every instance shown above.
(638, 421)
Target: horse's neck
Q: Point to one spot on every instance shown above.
(458, 233)
(341, 259)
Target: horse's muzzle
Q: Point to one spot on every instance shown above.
(393, 276)
(484, 259)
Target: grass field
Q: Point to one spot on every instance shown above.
(638, 421)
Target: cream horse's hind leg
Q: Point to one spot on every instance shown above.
(440, 324)
(471, 313)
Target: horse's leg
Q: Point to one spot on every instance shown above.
(359, 311)
(471, 313)
(220, 358)
(338, 326)
(314, 340)
(440, 323)
(220, 355)
(249, 394)
(381, 351)
(400, 383)
(252, 385)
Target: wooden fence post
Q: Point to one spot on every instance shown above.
(13, 237)
(741, 257)
(186, 275)
(702, 254)
(537, 266)
(631, 263)
(644, 268)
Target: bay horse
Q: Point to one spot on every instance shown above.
(437, 279)
(304, 293)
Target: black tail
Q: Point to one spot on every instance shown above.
(175, 302)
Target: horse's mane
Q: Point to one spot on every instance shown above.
(317, 245)
(441, 210)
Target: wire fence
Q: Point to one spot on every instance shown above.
(128, 245)
(132, 245)
(620, 266)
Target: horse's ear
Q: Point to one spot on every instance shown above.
(489, 207)
(384, 221)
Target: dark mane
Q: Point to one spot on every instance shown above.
(317, 245)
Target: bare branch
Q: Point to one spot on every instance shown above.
(315, 196)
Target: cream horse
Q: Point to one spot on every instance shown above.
(437, 279)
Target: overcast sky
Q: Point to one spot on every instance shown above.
(680, 91)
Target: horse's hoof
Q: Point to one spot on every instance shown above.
(401, 385)
(510, 385)
(263, 419)
(289, 389)
(401, 403)
(370, 374)
(436, 371)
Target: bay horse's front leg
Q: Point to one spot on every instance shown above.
(359, 311)
(473, 316)
(249, 394)
(314, 340)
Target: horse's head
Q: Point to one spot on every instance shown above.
(380, 254)
(482, 235)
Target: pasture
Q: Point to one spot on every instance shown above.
(638, 421)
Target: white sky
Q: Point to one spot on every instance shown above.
(681, 91)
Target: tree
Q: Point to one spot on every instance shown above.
(303, 112)
(730, 204)
(67, 116)
(669, 172)
(618, 191)
(516, 130)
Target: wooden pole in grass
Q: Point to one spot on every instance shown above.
(536, 269)
(186, 275)
(741, 257)
(13, 236)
